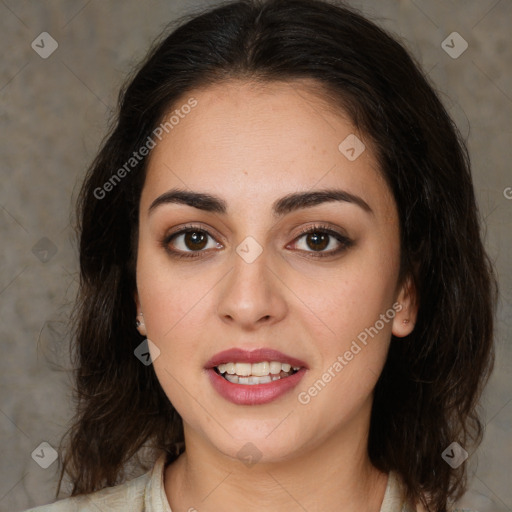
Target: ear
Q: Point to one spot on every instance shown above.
(407, 312)
(139, 321)
(137, 301)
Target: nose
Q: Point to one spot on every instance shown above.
(252, 294)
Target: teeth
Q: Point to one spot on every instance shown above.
(254, 380)
(232, 378)
(275, 368)
(262, 369)
(243, 369)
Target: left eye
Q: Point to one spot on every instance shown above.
(318, 239)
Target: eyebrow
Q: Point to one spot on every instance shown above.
(281, 207)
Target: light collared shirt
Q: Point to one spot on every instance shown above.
(147, 494)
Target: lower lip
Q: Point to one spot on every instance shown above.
(254, 394)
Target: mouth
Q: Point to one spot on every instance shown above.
(254, 377)
(255, 373)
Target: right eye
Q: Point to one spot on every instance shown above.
(189, 242)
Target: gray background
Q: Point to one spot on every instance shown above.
(53, 114)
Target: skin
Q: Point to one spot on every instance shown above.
(251, 145)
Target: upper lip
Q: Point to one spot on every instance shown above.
(239, 355)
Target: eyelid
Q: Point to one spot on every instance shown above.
(342, 239)
(190, 227)
(169, 236)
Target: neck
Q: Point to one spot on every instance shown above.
(333, 475)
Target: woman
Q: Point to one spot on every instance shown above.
(284, 293)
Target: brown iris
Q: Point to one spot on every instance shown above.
(195, 240)
(320, 241)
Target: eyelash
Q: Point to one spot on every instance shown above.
(316, 229)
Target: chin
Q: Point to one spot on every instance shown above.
(258, 441)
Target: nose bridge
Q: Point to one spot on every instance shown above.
(250, 271)
(251, 292)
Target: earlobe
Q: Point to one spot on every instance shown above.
(405, 318)
(139, 321)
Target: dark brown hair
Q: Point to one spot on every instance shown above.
(426, 396)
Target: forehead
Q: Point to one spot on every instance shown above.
(245, 141)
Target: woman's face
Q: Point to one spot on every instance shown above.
(235, 270)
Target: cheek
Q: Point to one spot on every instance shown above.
(351, 298)
(352, 337)
(172, 302)
(352, 345)
(172, 306)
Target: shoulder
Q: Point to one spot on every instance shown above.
(110, 499)
(394, 498)
(420, 508)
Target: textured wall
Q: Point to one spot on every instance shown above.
(53, 113)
